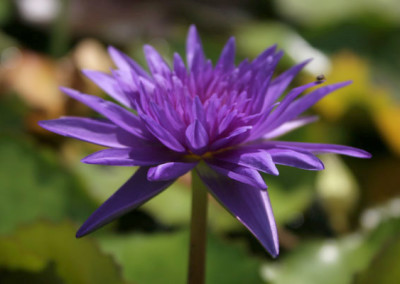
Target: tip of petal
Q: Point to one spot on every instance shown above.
(114, 53)
(361, 154)
(47, 124)
(67, 90)
(147, 48)
(192, 28)
(43, 123)
(87, 160)
(152, 174)
(343, 84)
(80, 233)
(87, 72)
(275, 252)
(319, 167)
(305, 62)
(111, 49)
(84, 230)
(274, 171)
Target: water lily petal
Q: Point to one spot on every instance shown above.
(162, 134)
(302, 104)
(281, 82)
(137, 190)
(196, 137)
(275, 119)
(226, 61)
(249, 205)
(109, 85)
(179, 67)
(289, 126)
(234, 135)
(125, 63)
(240, 173)
(318, 148)
(296, 158)
(157, 64)
(260, 160)
(168, 171)
(113, 112)
(194, 48)
(95, 131)
(138, 156)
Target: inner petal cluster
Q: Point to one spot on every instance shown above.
(200, 107)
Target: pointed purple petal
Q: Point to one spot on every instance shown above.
(280, 83)
(240, 173)
(179, 67)
(274, 118)
(318, 148)
(289, 126)
(250, 206)
(157, 64)
(132, 194)
(198, 111)
(138, 156)
(113, 112)
(194, 47)
(109, 85)
(302, 104)
(125, 63)
(90, 130)
(264, 55)
(168, 171)
(259, 160)
(163, 135)
(227, 59)
(225, 140)
(196, 137)
(296, 158)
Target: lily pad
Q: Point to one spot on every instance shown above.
(33, 185)
(384, 267)
(36, 247)
(333, 261)
(162, 258)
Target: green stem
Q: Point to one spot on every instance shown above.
(197, 255)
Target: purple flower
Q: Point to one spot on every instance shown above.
(220, 120)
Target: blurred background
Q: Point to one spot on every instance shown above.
(341, 225)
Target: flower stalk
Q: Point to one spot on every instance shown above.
(198, 228)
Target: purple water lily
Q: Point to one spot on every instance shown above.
(219, 120)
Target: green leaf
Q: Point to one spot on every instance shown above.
(75, 261)
(290, 193)
(173, 207)
(33, 185)
(47, 275)
(101, 181)
(14, 256)
(320, 261)
(288, 204)
(141, 255)
(384, 268)
(331, 261)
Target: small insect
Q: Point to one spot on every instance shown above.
(320, 78)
